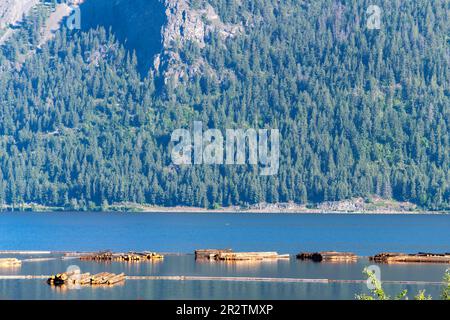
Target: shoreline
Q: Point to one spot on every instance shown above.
(192, 210)
(373, 205)
(251, 212)
(196, 210)
(283, 212)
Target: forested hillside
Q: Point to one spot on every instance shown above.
(361, 112)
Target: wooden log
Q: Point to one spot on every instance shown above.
(147, 255)
(97, 280)
(209, 253)
(339, 257)
(387, 257)
(117, 256)
(116, 279)
(155, 256)
(431, 254)
(65, 276)
(129, 257)
(61, 278)
(235, 256)
(84, 279)
(126, 257)
(98, 277)
(384, 256)
(328, 256)
(85, 282)
(100, 256)
(137, 257)
(105, 279)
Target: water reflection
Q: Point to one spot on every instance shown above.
(64, 288)
(8, 269)
(363, 235)
(165, 290)
(241, 265)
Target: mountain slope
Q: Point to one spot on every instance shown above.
(361, 112)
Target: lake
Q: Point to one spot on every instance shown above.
(183, 233)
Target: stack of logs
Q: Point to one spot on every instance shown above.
(209, 254)
(229, 255)
(10, 262)
(240, 256)
(328, 256)
(107, 278)
(420, 257)
(72, 278)
(129, 257)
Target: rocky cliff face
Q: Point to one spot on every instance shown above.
(12, 11)
(157, 30)
(188, 24)
(184, 23)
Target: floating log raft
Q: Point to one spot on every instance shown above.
(241, 256)
(421, 257)
(229, 255)
(129, 257)
(210, 253)
(10, 262)
(72, 278)
(134, 256)
(100, 256)
(328, 256)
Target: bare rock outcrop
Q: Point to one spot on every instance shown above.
(12, 11)
(187, 24)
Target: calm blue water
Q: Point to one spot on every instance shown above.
(185, 265)
(183, 233)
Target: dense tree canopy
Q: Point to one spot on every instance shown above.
(360, 111)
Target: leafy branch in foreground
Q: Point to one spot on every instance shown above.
(446, 291)
(378, 292)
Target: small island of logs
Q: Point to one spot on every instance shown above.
(85, 279)
(328, 256)
(229, 255)
(125, 257)
(421, 257)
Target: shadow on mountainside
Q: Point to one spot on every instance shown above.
(135, 23)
